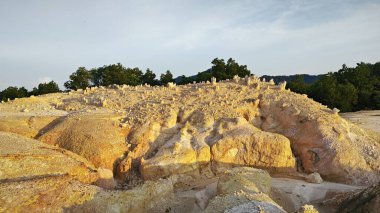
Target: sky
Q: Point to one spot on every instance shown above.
(43, 40)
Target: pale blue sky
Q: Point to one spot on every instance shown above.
(50, 39)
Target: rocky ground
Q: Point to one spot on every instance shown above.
(233, 146)
(366, 119)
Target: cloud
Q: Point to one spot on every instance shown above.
(273, 36)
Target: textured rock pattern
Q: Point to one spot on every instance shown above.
(63, 194)
(22, 159)
(94, 137)
(367, 200)
(132, 137)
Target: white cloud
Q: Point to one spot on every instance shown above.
(274, 36)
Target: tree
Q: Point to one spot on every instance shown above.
(45, 88)
(221, 71)
(149, 77)
(80, 79)
(346, 97)
(204, 76)
(298, 85)
(185, 80)
(97, 76)
(13, 92)
(134, 76)
(218, 70)
(324, 90)
(114, 74)
(329, 91)
(166, 77)
(233, 68)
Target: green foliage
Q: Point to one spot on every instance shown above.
(298, 85)
(134, 76)
(329, 92)
(80, 79)
(13, 92)
(149, 78)
(204, 76)
(166, 77)
(116, 74)
(113, 74)
(221, 71)
(185, 80)
(45, 88)
(348, 89)
(218, 69)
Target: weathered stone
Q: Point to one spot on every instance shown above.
(23, 158)
(314, 178)
(245, 145)
(367, 200)
(92, 136)
(245, 179)
(63, 194)
(307, 209)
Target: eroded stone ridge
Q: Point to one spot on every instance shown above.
(125, 136)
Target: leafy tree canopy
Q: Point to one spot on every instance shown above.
(13, 92)
(166, 77)
(80, 79)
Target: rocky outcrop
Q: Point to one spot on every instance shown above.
(367, 200)
(242, 144)
(240, 190)
(63, 194)
(307, 209)
(224, 144)
(150, 196)
(94, 136)
(245, 179)
(322, 141)
(22, 159)
(314, 178)
(30, 126)
(196, 133)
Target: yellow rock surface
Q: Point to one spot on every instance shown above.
(63, 194)
(22, 159)
(94, 137)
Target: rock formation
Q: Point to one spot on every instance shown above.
(126, 137)
(367, 200)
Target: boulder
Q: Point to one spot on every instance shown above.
(245, 145)
(63, 194)
(23, 158)
(93, 136)
(30, 126)
(245, 179)
(244, 190)
(314, 178)
(321, 141)
(307, 209)
(255, 207)
(183, 154)
(367, 200)
(243, 202)
(148, 197)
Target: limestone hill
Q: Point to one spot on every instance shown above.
(189, 135)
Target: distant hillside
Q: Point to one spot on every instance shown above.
(309, 79)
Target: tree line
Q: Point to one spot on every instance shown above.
(348, 89)
(118, 74)
(11, 93)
